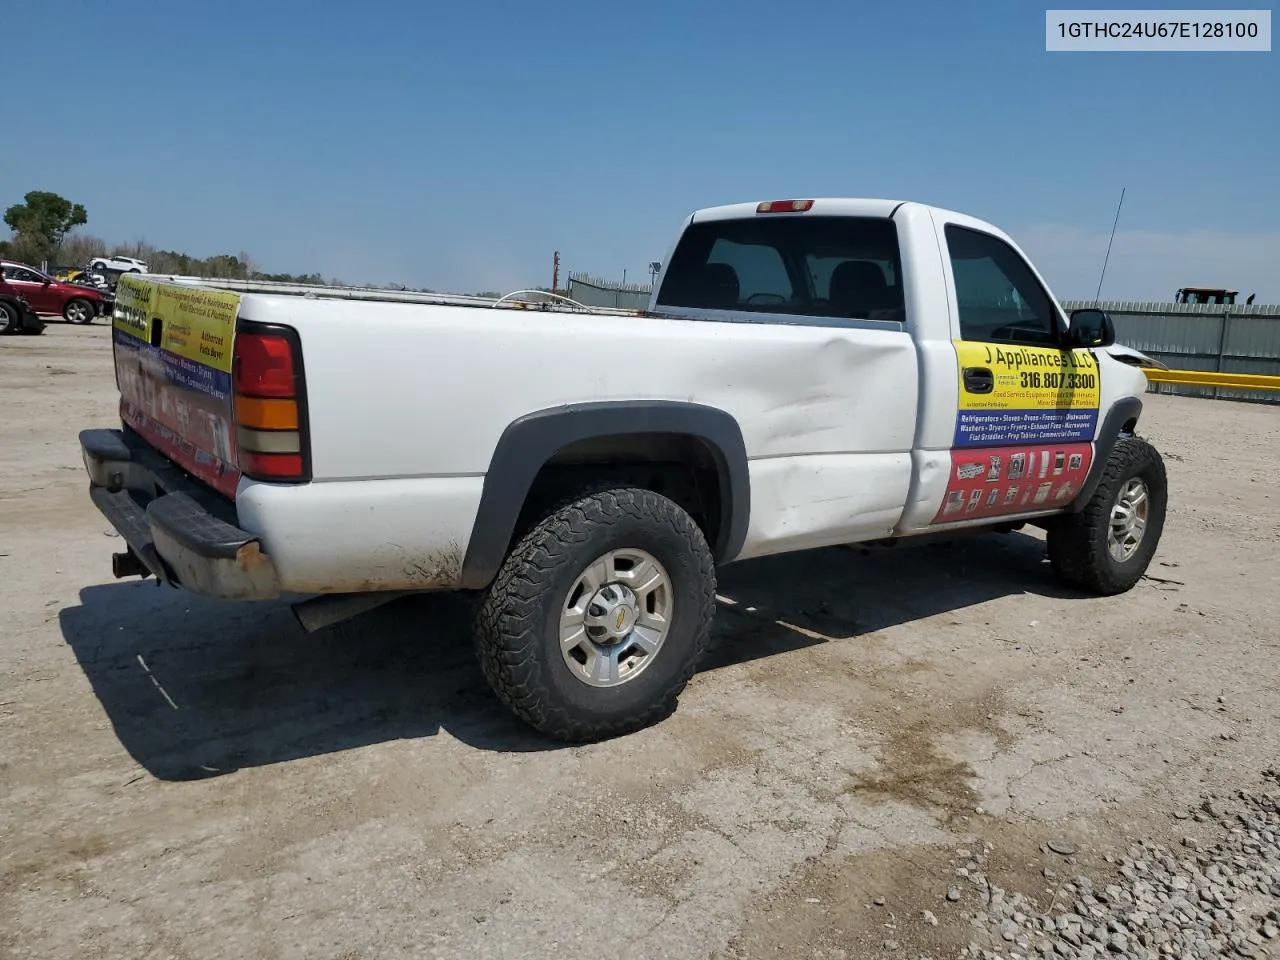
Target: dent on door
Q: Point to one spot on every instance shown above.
(1025, 422)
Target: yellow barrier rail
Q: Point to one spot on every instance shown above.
(1213, 378)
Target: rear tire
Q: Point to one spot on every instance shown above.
(599, 615)
(79, 311)
(10, 319)
(1106, 547)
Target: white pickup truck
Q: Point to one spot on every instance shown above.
(808, 373)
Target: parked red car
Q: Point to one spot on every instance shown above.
(76, 304)
(16, 315)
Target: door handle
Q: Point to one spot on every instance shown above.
(979, 380)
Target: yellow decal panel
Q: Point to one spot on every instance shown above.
(198, 324)
(134, 306)
(195, 324)
(1015, 395)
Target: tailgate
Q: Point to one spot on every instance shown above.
(173, 349)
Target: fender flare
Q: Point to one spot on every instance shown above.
(529, 442)
(1122, 411)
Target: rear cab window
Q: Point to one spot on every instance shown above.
(839, 267)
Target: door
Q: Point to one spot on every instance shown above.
(1028, 409)
(32, 285)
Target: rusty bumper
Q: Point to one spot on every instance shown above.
(178, 530)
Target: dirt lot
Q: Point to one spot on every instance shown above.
(188, 779)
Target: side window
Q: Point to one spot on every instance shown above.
(18, 273)
(999, 298)
(762, 276)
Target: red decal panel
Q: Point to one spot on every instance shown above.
(998, 481)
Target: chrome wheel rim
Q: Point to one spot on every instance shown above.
(76, 312)
(1128, 520)
(616, 617)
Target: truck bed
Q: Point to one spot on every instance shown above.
(516, 300)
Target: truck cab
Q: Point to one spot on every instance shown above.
(947, 352)
(1206, 295)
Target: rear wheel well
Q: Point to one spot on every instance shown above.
(692, 453)
(680, 467)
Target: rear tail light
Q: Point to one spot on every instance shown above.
(267, 379)
(271, 466)
(784, 206)
(264, 365)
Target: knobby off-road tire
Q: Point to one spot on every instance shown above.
(1083, 546)
(562, 569)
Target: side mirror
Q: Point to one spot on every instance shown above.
(1091, 328)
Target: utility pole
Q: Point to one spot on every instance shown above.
(555, 273)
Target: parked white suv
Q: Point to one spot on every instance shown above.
(808, 373)
(103, 265)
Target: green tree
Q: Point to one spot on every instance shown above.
(41, 221)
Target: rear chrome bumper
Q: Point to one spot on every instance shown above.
(179, 530)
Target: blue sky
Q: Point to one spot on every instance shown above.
(457, 145)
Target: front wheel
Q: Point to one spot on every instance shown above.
(10, 319)
(1107, 546)
(78, 311)
(599, 616)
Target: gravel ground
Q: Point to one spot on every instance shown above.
(930, 752)
(1205, 898)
